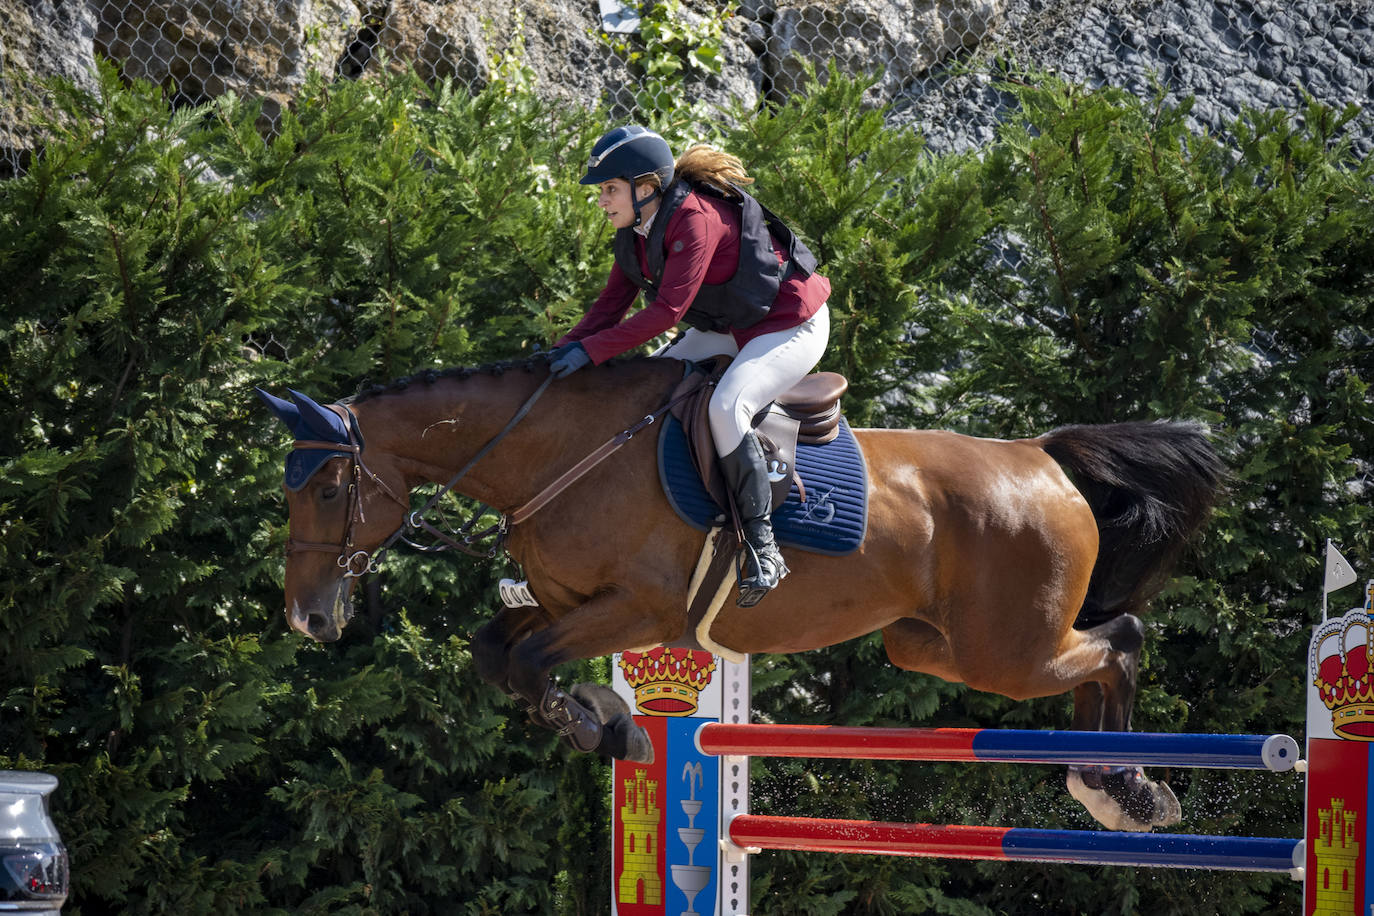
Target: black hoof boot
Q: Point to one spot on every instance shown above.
(575, 724)
(763, 566)
(621, 738)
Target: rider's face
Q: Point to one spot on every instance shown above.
(615, 202)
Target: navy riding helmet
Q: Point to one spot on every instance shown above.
(631, 152)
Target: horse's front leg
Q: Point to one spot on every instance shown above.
(493, 642)
(491, 651)
(590, 717)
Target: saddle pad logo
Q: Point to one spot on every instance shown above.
(831, 521)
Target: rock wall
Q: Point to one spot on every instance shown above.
(200, 50)
(1230, 56)
(43, 37)
(1244, 52)
(264, 48)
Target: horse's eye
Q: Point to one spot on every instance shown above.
(329, 492)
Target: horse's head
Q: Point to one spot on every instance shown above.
(342, 508)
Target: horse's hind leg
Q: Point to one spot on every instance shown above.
(914, 645)
(1105, 705)
(1120, 798)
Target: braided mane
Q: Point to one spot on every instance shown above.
(429, 376)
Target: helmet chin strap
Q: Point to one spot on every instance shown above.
(637, 203)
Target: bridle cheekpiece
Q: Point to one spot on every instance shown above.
(353, 562)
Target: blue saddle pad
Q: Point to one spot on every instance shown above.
(833, 519)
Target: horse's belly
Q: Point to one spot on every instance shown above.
(783, 626)
(971, 536)
(823, 601)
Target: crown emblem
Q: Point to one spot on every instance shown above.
(668, 682)
(1342, 666)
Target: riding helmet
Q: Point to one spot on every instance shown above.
(630, 152)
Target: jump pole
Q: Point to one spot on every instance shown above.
(683, 831)
(1016, 844)
(1248, 752)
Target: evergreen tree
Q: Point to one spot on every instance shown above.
(156, 265)
(1098, 263)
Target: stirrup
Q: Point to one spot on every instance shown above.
(752, 589)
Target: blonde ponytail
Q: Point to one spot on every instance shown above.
(708, 165)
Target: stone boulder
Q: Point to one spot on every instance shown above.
(467, 39)
(559, 42)
(205, 48)
(903, 38)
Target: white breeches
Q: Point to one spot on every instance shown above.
(763, 368)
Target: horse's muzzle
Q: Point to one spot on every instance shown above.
(318, 624)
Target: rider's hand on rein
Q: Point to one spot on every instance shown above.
(567, 359)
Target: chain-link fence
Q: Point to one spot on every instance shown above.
(936, 58)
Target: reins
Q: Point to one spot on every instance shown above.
(357, 562)
(417, 520)
(569, 477)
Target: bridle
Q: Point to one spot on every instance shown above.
(355, 563)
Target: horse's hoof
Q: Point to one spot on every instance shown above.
(604, 702)
(1104, 809)
(622, 739)
(1125, 799)
(1167, 809)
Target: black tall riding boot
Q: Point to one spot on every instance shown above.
(746, 474)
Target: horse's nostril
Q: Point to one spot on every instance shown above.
(318, 624)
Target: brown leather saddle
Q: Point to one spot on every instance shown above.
(808, 412)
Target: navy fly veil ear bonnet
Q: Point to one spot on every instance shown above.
(308, 420)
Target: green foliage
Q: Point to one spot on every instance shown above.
(827, 166)
(1098, 263)
(672, 47)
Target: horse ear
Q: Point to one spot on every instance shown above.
(284, 411)
(322, 422)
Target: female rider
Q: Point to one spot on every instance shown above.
(703, 251)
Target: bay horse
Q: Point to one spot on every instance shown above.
(1016, 567)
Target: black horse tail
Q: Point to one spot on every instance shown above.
(1151, 486)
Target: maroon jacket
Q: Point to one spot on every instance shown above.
(702, 241)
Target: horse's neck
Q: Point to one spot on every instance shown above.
(435, 430)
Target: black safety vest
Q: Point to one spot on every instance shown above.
(744, 299)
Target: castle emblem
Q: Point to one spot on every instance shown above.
(1337, 851)
(640, 881)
